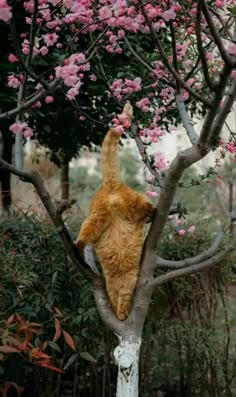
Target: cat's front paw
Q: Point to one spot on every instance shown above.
(150, 211)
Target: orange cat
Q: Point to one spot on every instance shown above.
(115, 227)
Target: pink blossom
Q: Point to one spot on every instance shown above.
(232, 49)
(233, 74)
(27, 132)
(179, 221)
(151, 193)
(181, 232)
(12, 58)
(93, 77)
(72, 93)
(160, 161)
(50, 39)
(105, 13)
(49, 99)
(169, 14)
(5, 11)
(82, 118)
(13, 81)
(18, 127)
(231, 147)
(37, 105)
(191, 229)
(143, 104)
(44, 50)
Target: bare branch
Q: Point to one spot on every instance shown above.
(186, 119)
(194, 268)
(216, 128)
(200, 47)
(142, 151)
(30, 102)
(34, 178)
(210, 117)
(171, 69)
(169, 264)
(105, 310)
(216, 36)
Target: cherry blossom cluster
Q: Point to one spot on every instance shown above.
(5, 11)
(23, 127)
(121, 123)
(72, 72)
(151, 134)
(121, 88)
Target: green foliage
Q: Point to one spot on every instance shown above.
(189, 335)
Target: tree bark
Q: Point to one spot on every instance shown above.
(127, 359)
(5, 176)
(65, 184)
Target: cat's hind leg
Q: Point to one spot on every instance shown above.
(125, 295)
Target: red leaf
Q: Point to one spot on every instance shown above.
(69, 340)
(36, 353)
(47, 364)
(58, 330)
(8, 349)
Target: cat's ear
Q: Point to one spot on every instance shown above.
(128, 109)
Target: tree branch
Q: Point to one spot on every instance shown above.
(145, 158)
(30, 102)
(194, 268)
(186, 119)
(216, 36)
(216, 128)
(169, 264)
(167, 64)
(200, 47)
(209, 119)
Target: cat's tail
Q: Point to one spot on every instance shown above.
(110, 161)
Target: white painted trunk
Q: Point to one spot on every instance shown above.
(127, 359)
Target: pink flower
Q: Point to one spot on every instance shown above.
(12, 58)
(179, 221)
(191, 229)
(44, 50)
(105, 13)
(72, 93)
(50, 39)
(232, 49)
(49, 99)
(37, 105)
(13, 82)
(27, 133)
(181, 232)
(93, 77)
(169, 14)
(233, 74)
(151, 193)
(160, 161)
(5, 11)
(18, 127)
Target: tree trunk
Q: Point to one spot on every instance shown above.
(65, 184)
(5, 176)
(127, 359)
